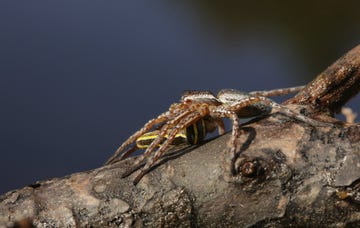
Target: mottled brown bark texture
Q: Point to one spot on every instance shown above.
(288, 174)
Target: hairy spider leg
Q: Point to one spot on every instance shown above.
(154, 144)
(235, 133)
(161, 118)
(219, 123)
(231, 110)
(277, 92)
(128, 152)
(295, 115)
(186, 121)
(174, 108)
(263, 102)
(262, 105)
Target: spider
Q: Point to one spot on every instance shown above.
(199, 113)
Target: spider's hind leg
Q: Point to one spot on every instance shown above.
(298, 116)
(277, 92)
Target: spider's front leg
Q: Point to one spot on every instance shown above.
(153, 160)
(163, 135)
(147, 127)
(174, 110)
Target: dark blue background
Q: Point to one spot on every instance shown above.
(78, 77)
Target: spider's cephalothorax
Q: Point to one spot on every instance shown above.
(198, 113)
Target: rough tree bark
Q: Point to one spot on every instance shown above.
(289, 174)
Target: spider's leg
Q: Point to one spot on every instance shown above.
(164, 130)
(277, 92)
(128, 152)
(246, 105)
(221, 126)
(293, 114)
(235, 133)
(233, 143)
(173, 110)
(231, 110)
(161, 118)
(185, 122)
(209, 124)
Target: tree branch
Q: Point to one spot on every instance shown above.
(330, 90)
(289, 174)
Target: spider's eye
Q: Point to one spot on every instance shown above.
(196, 132)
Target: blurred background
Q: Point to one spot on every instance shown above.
(78, 77)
